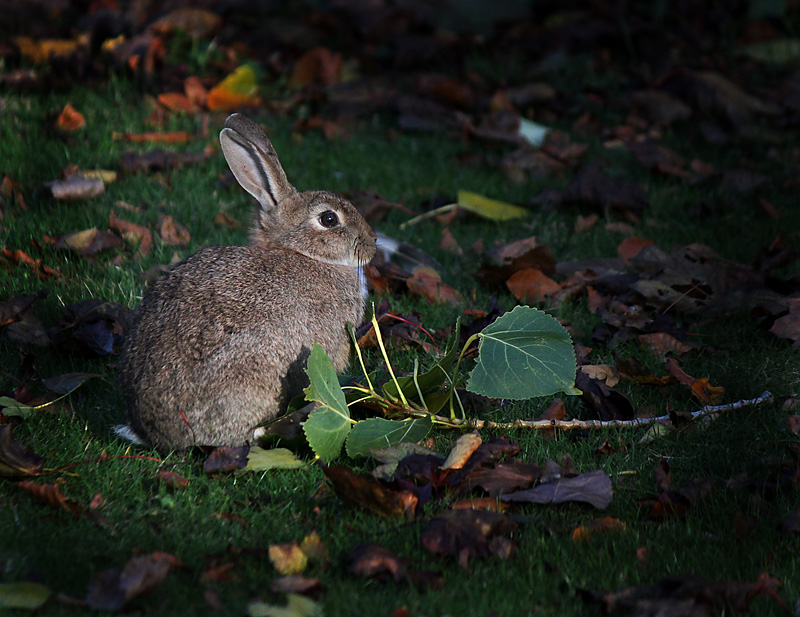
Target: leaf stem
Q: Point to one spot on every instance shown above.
(386, 357)
(469, 342)
(352, 332)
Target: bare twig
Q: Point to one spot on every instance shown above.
(708, 410)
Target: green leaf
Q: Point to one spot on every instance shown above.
(777, 51)
(430, 382)
(64, 384)
(260, 459)
(524, 353)
(297, 606)
(23, 595)
(15, 408)
(490, 208)
(376, 433)
(329, 424)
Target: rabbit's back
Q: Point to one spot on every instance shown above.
(207, 358)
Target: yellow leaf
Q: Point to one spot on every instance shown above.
(490, 208)
(288, 558)
(237, 89)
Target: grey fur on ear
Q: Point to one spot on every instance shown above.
(249, 168)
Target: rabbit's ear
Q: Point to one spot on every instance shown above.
(253, 161)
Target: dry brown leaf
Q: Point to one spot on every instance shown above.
(77, 187)
(531, 286)
(173, 479)
(606, 373)
(225, 220)
(164, 137)
(88, 241)
(196, 22)
(177, 101)
(317, 67)
(598, 526)
(428, 283)
(661, 344)
(70, 119)
(462, 451)
(132, 233)
(585, 223)
(631, 247)
(172, 233)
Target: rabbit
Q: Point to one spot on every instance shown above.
(220, 343)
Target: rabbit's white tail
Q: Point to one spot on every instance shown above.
(127, 433)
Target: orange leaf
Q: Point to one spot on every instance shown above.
(317, 67)
(631, 247)
(237, 90)
(531, 286)
(70, 119)
(51, 494)
(167, 137)
(662, 343)
(706, 392)
(428, 284)
(172, 233)
(175, 101)
(132, 232)
(601, 525)
(195, 91)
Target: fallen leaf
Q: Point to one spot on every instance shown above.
(42, 50)
(531, 286)
(661, 344)
(462, 451)
(607, 373)
(173, 479)
(17, 460)
(491, 209)
(226, 459)
(375, 561)
(177, 101)
(427, 283)
(70, 119)
(164, 137)
(172, 233)
(363, 491)
(706, 393)
(111, 589)
(51, 494)
(598, 526)
(196, 22)
(788, 326)
(77, 187)
(135, 234)
(469, 534)
(606, 402)
(297, 606)
(288, 558)
(23, 595)
(319, 67)
(681, 596)
(224, 220)
(88, 241)
(296, 584)
(238, 89)
(216, 574)
(593, 488)
(631, 247)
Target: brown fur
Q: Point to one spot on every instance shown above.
(221, 341)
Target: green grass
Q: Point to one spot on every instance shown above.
(733, 534)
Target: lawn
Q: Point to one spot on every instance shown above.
(663, 203)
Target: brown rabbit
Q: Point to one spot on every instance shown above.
(220, 343)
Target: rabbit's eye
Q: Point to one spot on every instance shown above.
(328, 219)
